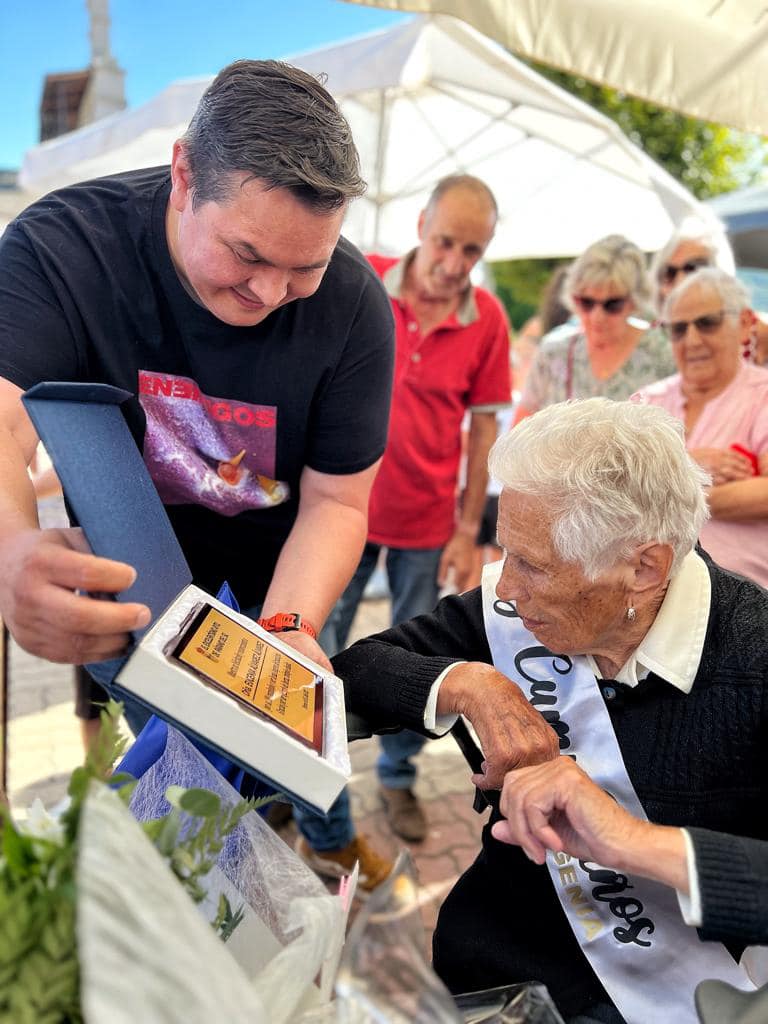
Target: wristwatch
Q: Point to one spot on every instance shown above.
(285, 622)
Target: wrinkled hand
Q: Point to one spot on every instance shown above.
(723, 464)
(40, 570)
(458, 560)
(304, 644)
(556, 806)
(512, 733)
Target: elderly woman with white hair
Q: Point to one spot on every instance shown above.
(649, 664)
(723, 402)
(692, 246)
(612, 350)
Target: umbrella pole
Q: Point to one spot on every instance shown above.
(381, 143)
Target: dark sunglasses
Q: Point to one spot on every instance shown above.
(611, 306)
(669, 273)
(707, 324)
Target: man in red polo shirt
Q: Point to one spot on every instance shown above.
(452, 356)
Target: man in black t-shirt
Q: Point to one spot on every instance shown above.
(259, 345)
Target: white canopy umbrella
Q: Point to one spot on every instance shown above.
(428, 98)
(704, 58)
(745, 215)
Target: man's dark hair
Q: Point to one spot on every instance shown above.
(276, 123)
(463, 181)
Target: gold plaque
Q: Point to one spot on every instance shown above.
(253, 672)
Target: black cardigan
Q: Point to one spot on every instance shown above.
(697, 760)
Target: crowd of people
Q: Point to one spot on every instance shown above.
(612, 662)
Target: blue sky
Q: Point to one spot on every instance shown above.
(155, 42)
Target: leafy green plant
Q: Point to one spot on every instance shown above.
(39, 972)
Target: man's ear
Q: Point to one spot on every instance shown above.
(650, 565)
(420, 224)
(181, 178)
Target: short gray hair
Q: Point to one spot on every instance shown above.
(276, 123)
(462, 181)
(613, 475)
(733, 294)
(612, 260)
(712, 239)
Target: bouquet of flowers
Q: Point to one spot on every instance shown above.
(91, 901)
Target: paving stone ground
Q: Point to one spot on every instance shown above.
(44, 747)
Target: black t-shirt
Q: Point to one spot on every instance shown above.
(227, 417)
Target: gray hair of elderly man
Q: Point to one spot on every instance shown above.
(710, 236)
(732, 293)
(614, 261)
(611, 476)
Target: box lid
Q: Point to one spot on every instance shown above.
(109, 487)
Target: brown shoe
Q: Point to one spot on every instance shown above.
(404, 814)
(374, 869)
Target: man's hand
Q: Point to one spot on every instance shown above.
(304, 644)
(457, 561)
(723, 464)
(40, 570)
(512, 733)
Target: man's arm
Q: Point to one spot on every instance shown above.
(322, 551)
(460, 549)
(41, 569)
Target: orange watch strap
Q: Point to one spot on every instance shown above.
(283, 622)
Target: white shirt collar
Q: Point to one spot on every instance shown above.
(672, 646)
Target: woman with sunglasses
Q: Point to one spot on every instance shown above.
(692, 246)
(723, 402)
(609, 350)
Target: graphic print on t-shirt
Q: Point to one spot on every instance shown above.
(216, 452)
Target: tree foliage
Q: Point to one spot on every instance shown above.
(707, 158)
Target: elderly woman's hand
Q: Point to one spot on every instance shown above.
(556, 806)
(723, 464)
(512, 733)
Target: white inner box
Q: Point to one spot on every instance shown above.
(253, 741)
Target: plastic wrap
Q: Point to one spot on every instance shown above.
(292, 925)
(510, 1004)
(384, 977)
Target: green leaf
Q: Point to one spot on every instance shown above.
(200, 803)
(168, 835)
(18, 850)
(174, 794)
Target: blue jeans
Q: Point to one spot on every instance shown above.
(412, 574)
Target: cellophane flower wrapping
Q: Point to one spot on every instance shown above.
(147, 953)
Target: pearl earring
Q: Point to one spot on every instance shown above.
(631, 614)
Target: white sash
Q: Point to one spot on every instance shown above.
(631, 931)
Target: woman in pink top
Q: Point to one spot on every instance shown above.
(723, 402)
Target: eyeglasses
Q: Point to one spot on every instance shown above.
(669, 273)
(709, 323)
(586, 304)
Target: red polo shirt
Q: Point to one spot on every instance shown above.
(461, 364)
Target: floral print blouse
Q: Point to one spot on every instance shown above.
(561, 368)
